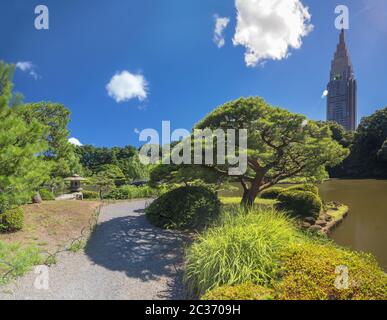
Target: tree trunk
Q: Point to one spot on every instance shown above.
(249, 195)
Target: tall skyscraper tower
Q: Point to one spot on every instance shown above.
(342, 89)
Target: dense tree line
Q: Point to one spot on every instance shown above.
(122, 161)
(368, 144)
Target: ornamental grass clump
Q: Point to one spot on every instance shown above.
(245, 247)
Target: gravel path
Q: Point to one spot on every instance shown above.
(126, 258)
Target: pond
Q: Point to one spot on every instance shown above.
(365, 228)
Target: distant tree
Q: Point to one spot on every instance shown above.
(133, 169)
(113, 173)
(22, 168)
(92, 157)
(103, 181)
(281, 144)
(60, 152)
(126, 158)
(123, 153)
(345, 138)
(339, 134)
(187, 175)
(366, 160)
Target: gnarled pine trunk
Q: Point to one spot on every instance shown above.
(250, 194)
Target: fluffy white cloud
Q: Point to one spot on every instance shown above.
(125, 86)
(269, 28)
(220, 25)
(75, 142)
(324, 94)
(27, 66)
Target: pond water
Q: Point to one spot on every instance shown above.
(365, 228)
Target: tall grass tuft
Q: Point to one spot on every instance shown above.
(244, 247)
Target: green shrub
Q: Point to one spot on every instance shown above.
(247, 291)
(300, 203)
(90, 194)
(132, 192)
(244, 248)
(4, 202)
(16, 260)
(46, 195)
(112, 172)
(12, 220)
(309, 273)
(271, 193)
(304, 187)
(185, 208)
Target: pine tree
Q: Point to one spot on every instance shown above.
(22, 169)
(60, 153)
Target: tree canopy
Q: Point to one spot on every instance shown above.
(125, 158)
(367, 159)
(60, 152)
(22, 168)
(281, 144)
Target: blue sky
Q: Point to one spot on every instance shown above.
(169, 45)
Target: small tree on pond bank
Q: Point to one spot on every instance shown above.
(281, 145)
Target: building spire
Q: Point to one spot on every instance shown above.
(342, 37)
(342, 88)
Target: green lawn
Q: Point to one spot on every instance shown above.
(237, 200)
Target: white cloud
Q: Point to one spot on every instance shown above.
(27, 66)
(220, 25)
(125, 86)
(324, 94)
(24, 65)
(269, 28)
(75, 142)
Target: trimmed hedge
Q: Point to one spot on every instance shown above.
(46, 195)
(185, 208)
(247, 291)
(311, 270)
(272, 193)
(12, 220)
(300, 203)
(90, 194)
(304, 187)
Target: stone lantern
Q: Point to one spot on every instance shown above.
(75, 183)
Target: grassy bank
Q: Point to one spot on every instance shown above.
(264, 255)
